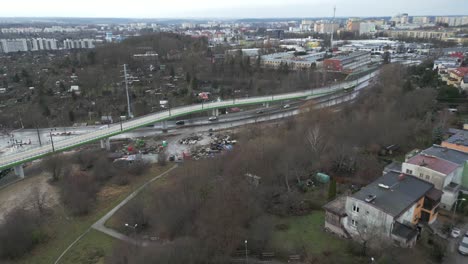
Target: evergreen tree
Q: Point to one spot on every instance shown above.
(437, 135)
(332, 189)
(71, 116)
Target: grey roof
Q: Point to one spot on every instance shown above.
(351, 56)
(394, 166)
(465, 79)
(460, 138)
(402, 192)
(404, 231)
(455, 156)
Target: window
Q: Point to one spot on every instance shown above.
(428, 177)
(355, 209)
(354, 223)
(421, 175)
(409, 171)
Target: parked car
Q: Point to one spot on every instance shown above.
(213, 118)
(180, 122)
(260, 112)
(455, 232)
(463, 247)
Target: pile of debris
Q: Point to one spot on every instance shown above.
(192, 140)
(217, 144)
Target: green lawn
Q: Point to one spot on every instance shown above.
(306, 233)
(92, 248)
(64, 229)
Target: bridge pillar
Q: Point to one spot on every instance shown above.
(105, 144)
(164, 126)
(267, 104)
(19, 171)
(215, 112)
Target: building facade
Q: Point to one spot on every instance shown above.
(348, 63)
(389, 209)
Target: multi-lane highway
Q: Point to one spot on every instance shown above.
(28, 154)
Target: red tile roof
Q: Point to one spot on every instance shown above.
(460, 72)
(433, 163)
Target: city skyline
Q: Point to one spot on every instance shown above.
(229, 9)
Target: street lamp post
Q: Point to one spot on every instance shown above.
(246, 253)
(134, 227)
(455, 208)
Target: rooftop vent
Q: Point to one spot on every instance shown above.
(401, 177)
(370, 198)
(384, 186)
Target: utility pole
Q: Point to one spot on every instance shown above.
(130, 115)
(52, 141)
(333, 28)
(38, 136)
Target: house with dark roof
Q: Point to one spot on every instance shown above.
(444, 167)
(390, 208)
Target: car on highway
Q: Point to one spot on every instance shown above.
(180, 122)
(455, 232)
(463, 247)
(286, 106)
(260, 112)
(213, 118)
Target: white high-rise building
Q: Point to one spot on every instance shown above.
(14, 45)
(421, 20)
(79, 44)
(366, 28)
(325, 27)
(43, 44)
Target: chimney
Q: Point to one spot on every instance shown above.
(401, 177)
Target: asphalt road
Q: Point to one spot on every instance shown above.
(30, 152)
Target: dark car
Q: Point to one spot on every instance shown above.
(180, 122)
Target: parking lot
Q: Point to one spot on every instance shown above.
(453, 256)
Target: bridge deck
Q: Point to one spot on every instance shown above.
(17, 158)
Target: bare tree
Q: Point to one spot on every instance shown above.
(38, 200)
(55, 165)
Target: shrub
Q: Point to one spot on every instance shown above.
(19, 234)
(79, 191)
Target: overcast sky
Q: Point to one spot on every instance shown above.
(227, 8)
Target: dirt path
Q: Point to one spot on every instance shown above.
(21, 193)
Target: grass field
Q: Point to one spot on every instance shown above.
(92, 248)
(305, 233)
(64, 229)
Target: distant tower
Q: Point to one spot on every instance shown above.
(333, 28)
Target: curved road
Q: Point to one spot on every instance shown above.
(18, 158)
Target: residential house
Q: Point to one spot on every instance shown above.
(390, 208)
(464, 83)
(443, 167)
(456, 76)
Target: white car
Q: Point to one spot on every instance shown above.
(286, 106)
(455, 232)
(213, 118)
(463, 247)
